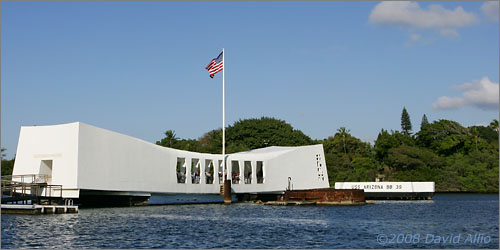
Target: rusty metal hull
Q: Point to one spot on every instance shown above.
(227, 192)
(326, 195)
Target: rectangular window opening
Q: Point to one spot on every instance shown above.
(260, 172)
(209, 171)
(181, 170)
(248, 172)
(195, 171)
(235, 172)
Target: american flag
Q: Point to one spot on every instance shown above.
(215, 66)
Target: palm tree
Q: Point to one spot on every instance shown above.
(494, 125)
(170, 137)
(475, 133)
(343, 132)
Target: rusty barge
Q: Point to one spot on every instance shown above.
(320, 196)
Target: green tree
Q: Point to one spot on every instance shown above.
(243, 135)
(407, 157)
(169, 140)
(475, 133)
(443, 136)
(211, 142)
(258, 133)
(364, 169)
(494, 125)
(6, 165)
(486, 133)
(424, 122)
(383, 143)
(405, 122)
(455, 157)
(187, 144)
(348, 158)
(342, 131)
(386, 141)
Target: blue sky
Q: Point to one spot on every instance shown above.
(138, 67)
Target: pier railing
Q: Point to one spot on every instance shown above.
(27, 178)
(28, 187)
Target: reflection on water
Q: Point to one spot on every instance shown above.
(247, 225)
(404, 201)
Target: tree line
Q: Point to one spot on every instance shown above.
(7, 165)
(456, 158)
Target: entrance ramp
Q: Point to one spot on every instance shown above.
(29, 189)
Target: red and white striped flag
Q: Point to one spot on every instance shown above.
(215, 66)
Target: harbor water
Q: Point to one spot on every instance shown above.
(447, 221)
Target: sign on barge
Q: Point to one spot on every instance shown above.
(392, 190)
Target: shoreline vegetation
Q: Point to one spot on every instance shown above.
(458, 159)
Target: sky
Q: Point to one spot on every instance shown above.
(138, 68)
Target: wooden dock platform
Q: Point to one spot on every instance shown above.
(37, 209)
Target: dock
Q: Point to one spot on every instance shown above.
(37, 209)
(32, 194)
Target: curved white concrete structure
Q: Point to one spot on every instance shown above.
(83, 157)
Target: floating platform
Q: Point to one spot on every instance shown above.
(392, 190)
(321, 196)
(37, 209)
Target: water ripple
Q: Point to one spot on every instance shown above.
(247, 225)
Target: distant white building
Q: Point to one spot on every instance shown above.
(87, 160)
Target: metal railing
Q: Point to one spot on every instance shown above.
(27, 178)
(29, 187)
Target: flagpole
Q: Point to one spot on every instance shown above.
(223, 116)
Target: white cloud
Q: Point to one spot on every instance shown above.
(490, 10)
(410, 14)
(445, 102)
(481, 94)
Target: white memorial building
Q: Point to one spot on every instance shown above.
(87, 160)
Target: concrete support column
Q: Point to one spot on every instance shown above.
(254, 172)
(241, 165)
(188, 170)
(219, 165)
(202, 170)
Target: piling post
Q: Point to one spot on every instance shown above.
(227, 191)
